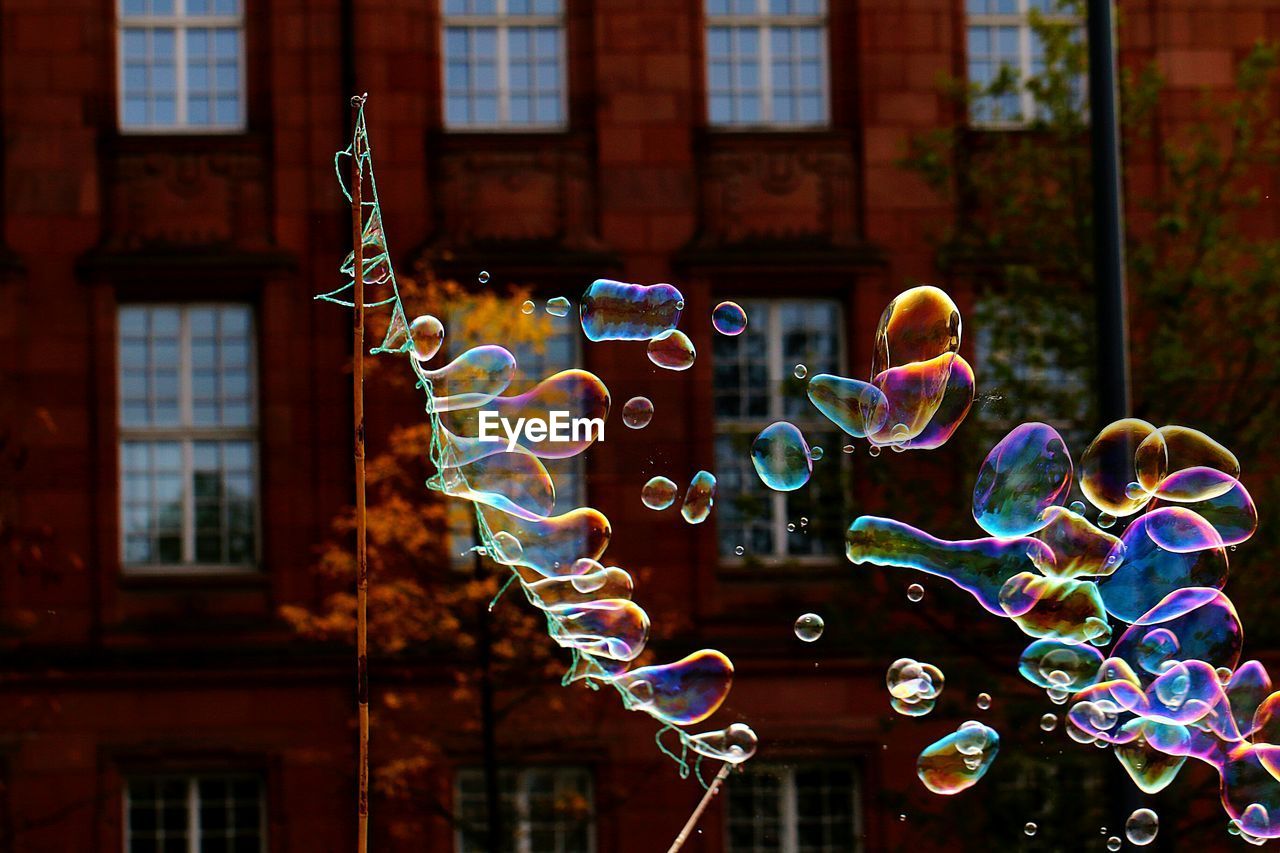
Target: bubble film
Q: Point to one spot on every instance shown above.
(782, 457)
(1024, 475)
(1109, 465)
(809, 627)
(553, 553)
(672, 350)
(959, 760)
(615, 311)
(914, 687)
(728, 318)
(699, 498)
(637, 412)
(658, 493)
(858, 408)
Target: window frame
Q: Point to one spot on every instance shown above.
(1021, 20)
(523, 820)
(788, 796)
(186, 435)
(180, 23)
(193, 802)
(502, 22)
(777, 372)
(762, 21)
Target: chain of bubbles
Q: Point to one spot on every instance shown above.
(587, 606)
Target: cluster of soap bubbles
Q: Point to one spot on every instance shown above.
(919, 391)
(660, 493)
(914, 687)
(554, 552)
(1171, 686)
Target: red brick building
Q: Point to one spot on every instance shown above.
(174, 429)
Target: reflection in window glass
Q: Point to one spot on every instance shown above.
(504, 64)
(754, 385)
(544, 810)
(181, 65)
(188, 435)
(194, 814)
(766, 62)
(1001, 36)
(792, 809)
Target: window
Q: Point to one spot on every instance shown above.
(504, 64)
(767, 63)
(790, 809)
(544, 810)
(181, 65)
(560, 349)
(188, 436)
(754, 386)
(1001, 35)
(194, 814)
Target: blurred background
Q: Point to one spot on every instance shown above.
(175, 410)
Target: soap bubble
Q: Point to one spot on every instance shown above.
(1030, 828)
(739, 550)
(615, 311)
(1114, 843)
(809, 627)
(915, 592)
(1026, 473)
(699, 498)
(734, 744)
(1110, 463)
(558, 306)
(914, 687)
(672, 350)
(658, 493)
(681, 693)
(984, 701)
(484, 276)
(859, 408)
(637, 412)
(959, 760)
(1141, 827)
(848, 448)
(815, 453)
(1049, 722)
(1077, 507)
(800, 371)
(728, 318)
(426, 333)
(782, 457)
(527, 307)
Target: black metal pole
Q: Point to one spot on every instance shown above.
(1108, 217)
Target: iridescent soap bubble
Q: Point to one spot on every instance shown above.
(1141, 827)
(1030, 828)
(728, 318)
(558, 306)
(781, 457)
(472, 379)
(984, 701)
(981, 567)
(483, 277)
(672, 350)
(800, 371)
(681, 693)
(1150, 572)
(1231, 511)
(1184, 448)
(597, 584)
(1056, 608)
(858, 408)
(527, 306)
(959, 760)
(809, 627)
(1079, 547)
(613, 628)
(637, 412)
(734, 744)
(1114, 843)
(1048, 722)
(914, 393)
(914, 687)
(815, 453)
(919, 324)
(915, 592)
(1110, 464)
(1057, 664)
(426, 333)
(1026, 473)
(616, 311)
(1203, 620)
(699, 497)
(658, 493)
(950, 412)
(505, 548)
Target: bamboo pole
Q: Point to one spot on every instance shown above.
(362, 564)
(712, 790)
